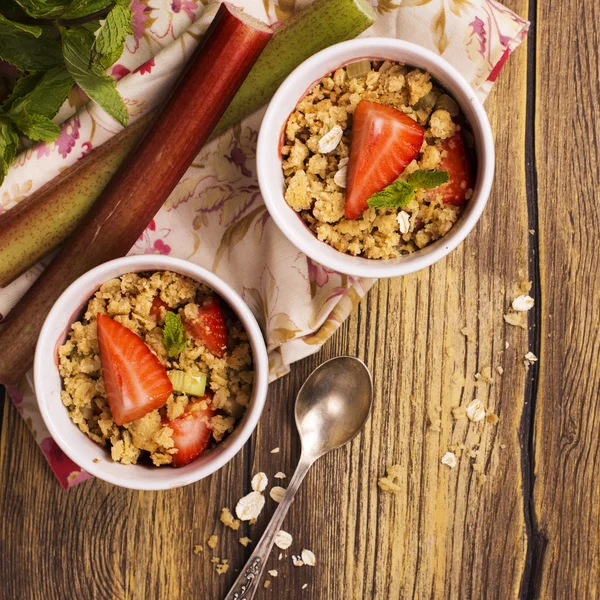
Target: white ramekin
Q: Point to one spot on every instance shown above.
(298, 83)
(77, 445)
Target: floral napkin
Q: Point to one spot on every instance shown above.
(215, 217)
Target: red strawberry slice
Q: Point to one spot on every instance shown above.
(456, 162)
(209, 326)
(384, 142)
(156, 310)
(135, 381)
(191, 432)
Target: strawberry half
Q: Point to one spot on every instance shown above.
(384, 142)
(209, 326)
(191, 432)
(158, 309)
(456, 161)
(135, 381)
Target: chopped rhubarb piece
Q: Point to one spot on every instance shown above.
(158, 309)
(384, 142)
(135, 381)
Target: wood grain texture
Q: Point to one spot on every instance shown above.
(567, 426)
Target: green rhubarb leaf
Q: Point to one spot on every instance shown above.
(173, 335)
(47, 95)
(35, 126)
(77, 44)
(28, 48)
(427, 179)
(110, 41)
(395, 195)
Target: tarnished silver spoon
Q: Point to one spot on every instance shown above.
(331, 408)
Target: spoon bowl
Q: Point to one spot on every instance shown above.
(333, 404)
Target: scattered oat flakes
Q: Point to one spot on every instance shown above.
(341, 177)
(212, 541)
(250, 506)
(283, 539)
(475, 411)
(228, 519)
(516, 319)
(279, 475)
(305, 586)
(499, 370)
(273, 572)
(245, 541)
(198, 549)
(267, 583)
(403, 219)
(330, 141)
(530, 358)
(277, 493)
(95, 460)
(308, 558)
(252, 521)
(390, 483)
(275, 450)
(215, 560)
(280, 556)
(506, 345)
(259, 482)
(523, 303)
(449, 459)
(297, 561)
(532, 231)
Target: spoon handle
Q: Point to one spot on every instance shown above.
(246, 584)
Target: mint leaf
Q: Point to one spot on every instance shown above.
(48, 95)
(110, 41)
(173, 335)
(23, 86)
(40, 9)
(427, 179)
(83, 8)
(37, 127)
(28, 48)
(8, 146)
(395, 195)
(77, 45)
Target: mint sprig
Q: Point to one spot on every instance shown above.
(401, 193)
(173, 335)
(51, 64)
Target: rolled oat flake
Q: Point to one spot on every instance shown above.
(329, 142)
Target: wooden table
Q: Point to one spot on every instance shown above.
(530, 530)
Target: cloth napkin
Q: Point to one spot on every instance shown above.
(215, 217)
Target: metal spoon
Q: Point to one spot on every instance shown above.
(331, 408)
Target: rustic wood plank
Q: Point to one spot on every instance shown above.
(567, 440)
(443, 536)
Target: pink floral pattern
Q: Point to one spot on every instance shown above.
(215, 217)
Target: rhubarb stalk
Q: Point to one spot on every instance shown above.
(144, 181)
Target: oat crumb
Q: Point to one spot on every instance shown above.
(275, 450)
(228, 519)
(267, 583)
(475, 411)
(305, 586)
(492, 418)
(516, 319)
(198, 549)
(523, 303)
(530, 358)
(390, 483)
(212, 541)
(297, 561)
(245, 541)
(499, 370)
(459, 412)
(273, 572)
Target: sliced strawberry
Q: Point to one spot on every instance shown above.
(158, 309)
(456, 161)
(384, 142)
(209, 326)
(191, 432)
(135, 381)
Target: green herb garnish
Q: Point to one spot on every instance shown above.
(173, 335)
(55, 44)
(400, 193)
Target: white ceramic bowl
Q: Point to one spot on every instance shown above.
(76, 444)
(298, 83)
